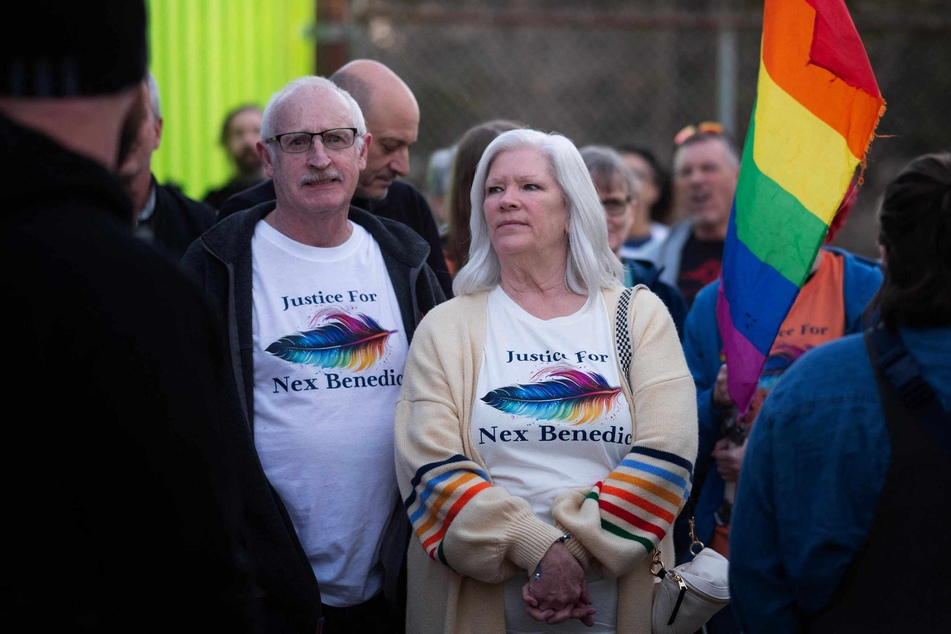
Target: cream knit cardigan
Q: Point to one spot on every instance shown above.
(479, 535)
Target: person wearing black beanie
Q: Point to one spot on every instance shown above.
(121, 502)
(73, 49)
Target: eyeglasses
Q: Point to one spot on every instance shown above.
(298, 142)
(708, 127)
(615, 207)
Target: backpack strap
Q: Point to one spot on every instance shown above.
(886, 349)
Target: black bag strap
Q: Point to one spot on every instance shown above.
(904, 375)
(622, 334)
(622, 338)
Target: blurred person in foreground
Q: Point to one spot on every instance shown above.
(322, 299)
(240, 133)
(620, 193)
(392, 116)
(539, 480)
(164, 216)
(652, 222)
(838, 525)
(458, 205)
(706, 168)
(121, 505)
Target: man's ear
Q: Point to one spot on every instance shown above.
(261, 148)
(138, 111)
(365, 151)
(159, 124)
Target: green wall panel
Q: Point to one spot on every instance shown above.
(209, 56)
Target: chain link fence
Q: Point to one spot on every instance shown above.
(616, 72)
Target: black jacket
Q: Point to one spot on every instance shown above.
(217, 197)
(403, 203)
(178, 220)
(122, 506)
(220, 261)
(646, 273)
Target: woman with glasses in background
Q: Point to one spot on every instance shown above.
(620, 193)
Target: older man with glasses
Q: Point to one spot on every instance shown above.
(321, 300)
(392, 115)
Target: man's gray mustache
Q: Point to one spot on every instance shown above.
(317, 179)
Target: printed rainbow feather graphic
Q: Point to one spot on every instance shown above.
(343, 341)
(816, 110)
(564, 394)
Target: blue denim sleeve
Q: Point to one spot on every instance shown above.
(763, 599)
(814, 467)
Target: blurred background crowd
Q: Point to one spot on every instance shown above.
(614, 72)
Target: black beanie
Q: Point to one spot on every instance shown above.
(73, 48)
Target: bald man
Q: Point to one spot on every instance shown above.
(392, 117)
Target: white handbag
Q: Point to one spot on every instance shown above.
(687, 596)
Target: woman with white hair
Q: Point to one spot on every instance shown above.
(539, 476)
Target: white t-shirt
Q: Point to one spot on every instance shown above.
(329, 351)
(550, 416)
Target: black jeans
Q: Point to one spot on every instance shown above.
(376, 616)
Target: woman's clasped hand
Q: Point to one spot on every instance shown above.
(558, 590)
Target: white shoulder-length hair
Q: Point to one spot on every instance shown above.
(591, 264)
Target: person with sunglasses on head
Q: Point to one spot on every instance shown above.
(706, 168)
(322, 300)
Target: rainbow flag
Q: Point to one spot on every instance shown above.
(816, 110)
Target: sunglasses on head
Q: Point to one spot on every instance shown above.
(688, 131)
